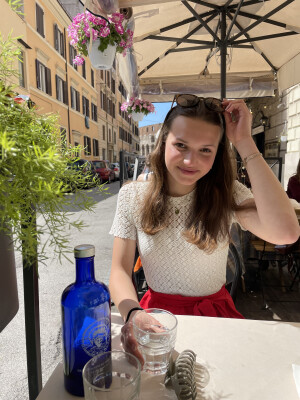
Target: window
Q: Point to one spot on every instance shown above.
(114, 111)
(94, 112)
(92, 78)
(72, 55)
(43, 77)
(113, 85)
(39, 15)
(75, 99)
(103, 154)
(95, 147)
(103, 132)
(21, 69)
(109, 135)
(152, 138)
(59, 42)
(85, 106)
(83, 70)
(107, 78)
(61, 90)
(115, 137)
(87, 146)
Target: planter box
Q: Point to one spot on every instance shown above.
(8, 282)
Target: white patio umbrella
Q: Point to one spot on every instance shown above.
(219, 48)
(233, 48)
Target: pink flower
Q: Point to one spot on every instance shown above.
(117, 18)
(104, 32)
(119, 29)
(78, 60)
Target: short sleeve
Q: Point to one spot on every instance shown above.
(123, 225)
(240, 194)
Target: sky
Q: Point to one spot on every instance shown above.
(158, 116)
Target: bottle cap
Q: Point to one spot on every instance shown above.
(84, 250)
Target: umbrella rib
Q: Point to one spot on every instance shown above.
(262, 19)
(273, 36)
(248, 37)
(267, 21)
(176, 25)
(204, 23)
(180, 40)
(233, 19)
(204, 3)
(176, 45)
(192, 48)
(247, 3)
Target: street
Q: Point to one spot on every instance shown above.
(53, 278)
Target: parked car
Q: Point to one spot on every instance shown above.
(87, 171)
(116, 168)
(104, 171)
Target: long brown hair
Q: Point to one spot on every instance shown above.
(213, 203)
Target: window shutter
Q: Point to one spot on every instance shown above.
(56, 85)
(92, 78)
(77, 101)
(62, 44)
(65, 88)
(56, 36)
(39, 20)
(83, 106)
(48, 81)
(38, 80)
(71, 94)
(96, 113)
(70, 55)
(87, 107)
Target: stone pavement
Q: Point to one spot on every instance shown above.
(53, 278)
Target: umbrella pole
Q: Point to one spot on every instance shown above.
(223, 52)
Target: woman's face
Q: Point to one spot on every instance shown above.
(190, 150)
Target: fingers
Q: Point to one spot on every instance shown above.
(129, 342)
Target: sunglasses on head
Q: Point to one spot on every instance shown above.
(191, 100)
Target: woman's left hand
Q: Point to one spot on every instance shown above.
(238, 120)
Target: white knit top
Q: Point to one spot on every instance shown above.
(171, 264)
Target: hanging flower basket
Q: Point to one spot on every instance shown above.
(102, 59)
(137, 108)
(137, 116)
(104, 34)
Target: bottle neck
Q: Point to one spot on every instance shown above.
(85, 270)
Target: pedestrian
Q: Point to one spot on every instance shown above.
(146, 174)
(293, 188)
(180, 219)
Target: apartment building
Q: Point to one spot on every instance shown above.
(87, 100)
(148, 138)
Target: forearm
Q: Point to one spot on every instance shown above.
(274, 209)
(123, 292)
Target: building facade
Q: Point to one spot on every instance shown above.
(148, 137)
(86, 100)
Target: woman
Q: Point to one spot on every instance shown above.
(293, 188)
(181, 218)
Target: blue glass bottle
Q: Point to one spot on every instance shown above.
(86, 319)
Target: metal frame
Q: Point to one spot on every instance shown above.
(222, 41)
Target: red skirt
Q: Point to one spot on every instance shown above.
(219, 304)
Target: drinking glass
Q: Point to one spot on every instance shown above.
(112, 375)
(155, 332)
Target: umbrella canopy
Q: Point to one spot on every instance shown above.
(206, 47)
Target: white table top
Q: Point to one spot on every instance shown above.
(246, 359)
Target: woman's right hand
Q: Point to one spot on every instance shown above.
(129, 342)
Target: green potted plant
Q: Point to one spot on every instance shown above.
(35, 175)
